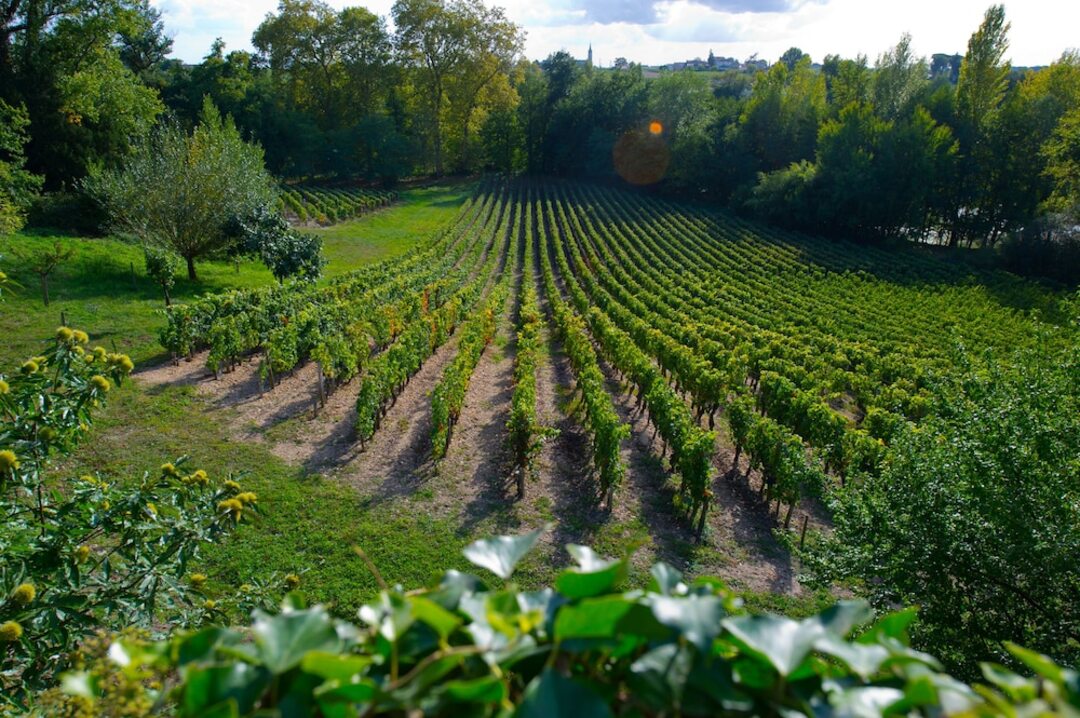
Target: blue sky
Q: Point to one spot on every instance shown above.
(658, 32)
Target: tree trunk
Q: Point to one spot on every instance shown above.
(438, 130)
(45, 289)
(191, 268)
(168, 299)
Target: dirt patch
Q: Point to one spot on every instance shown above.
(473, 479)
(257, 407)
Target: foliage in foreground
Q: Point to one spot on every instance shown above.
(581, 648)
(89, 554)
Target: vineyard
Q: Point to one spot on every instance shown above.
(688, 355)
(325, 205)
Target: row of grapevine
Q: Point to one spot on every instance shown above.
(339, 324)
(691, 446)
(689, 369)
(259, 310)
(814, 358)
(525, 432)
(807, 414)
(387, 374)
(325, 204)
(602, 422)
(449, 394)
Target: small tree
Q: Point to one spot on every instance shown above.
(44, 262)
(161, 265)
(100, 554)
(266, 234)
(181, 191)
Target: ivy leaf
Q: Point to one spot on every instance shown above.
(659, 677)
(284, 639)
(501, 554)
(593, 576)
(864, 660)
(550, 695)
(487, 689)
(697, 618)
(666, 579)
(434, 615)
(864, 702)
(1037, 662)
(780, 641)
(841, 618)
(892, 625)
(239, 684)
(334, 667)
(595, 618)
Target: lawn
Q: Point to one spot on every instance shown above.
(388, 233)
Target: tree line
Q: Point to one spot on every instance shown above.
(962, 151)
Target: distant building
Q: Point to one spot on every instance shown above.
(587, 62)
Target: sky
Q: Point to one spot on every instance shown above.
(658, 32)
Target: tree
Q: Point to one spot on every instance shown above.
(533, 115)
(101, 554)
(792, 57)
(878, 178)
(980, 93)
(979, 530)
(684, 105)
(899, 78)
(482, 80)
(431, 40)
(17, 186)
(266, 234)
(330, 63)
(779, 123)
(181, 191)
(984, 73)
(846, 81)
(456, 49)
(143, 42)
(44, 262)
(61, 60)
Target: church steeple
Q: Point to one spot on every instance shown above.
(589, 60)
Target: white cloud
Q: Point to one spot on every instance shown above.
(660, 31)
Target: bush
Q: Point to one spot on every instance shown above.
(73, 212)
(266, 234)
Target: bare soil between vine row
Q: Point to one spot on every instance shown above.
(473, 486)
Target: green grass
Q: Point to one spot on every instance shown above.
(387, 233)
(103, 289)
(308, 525)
